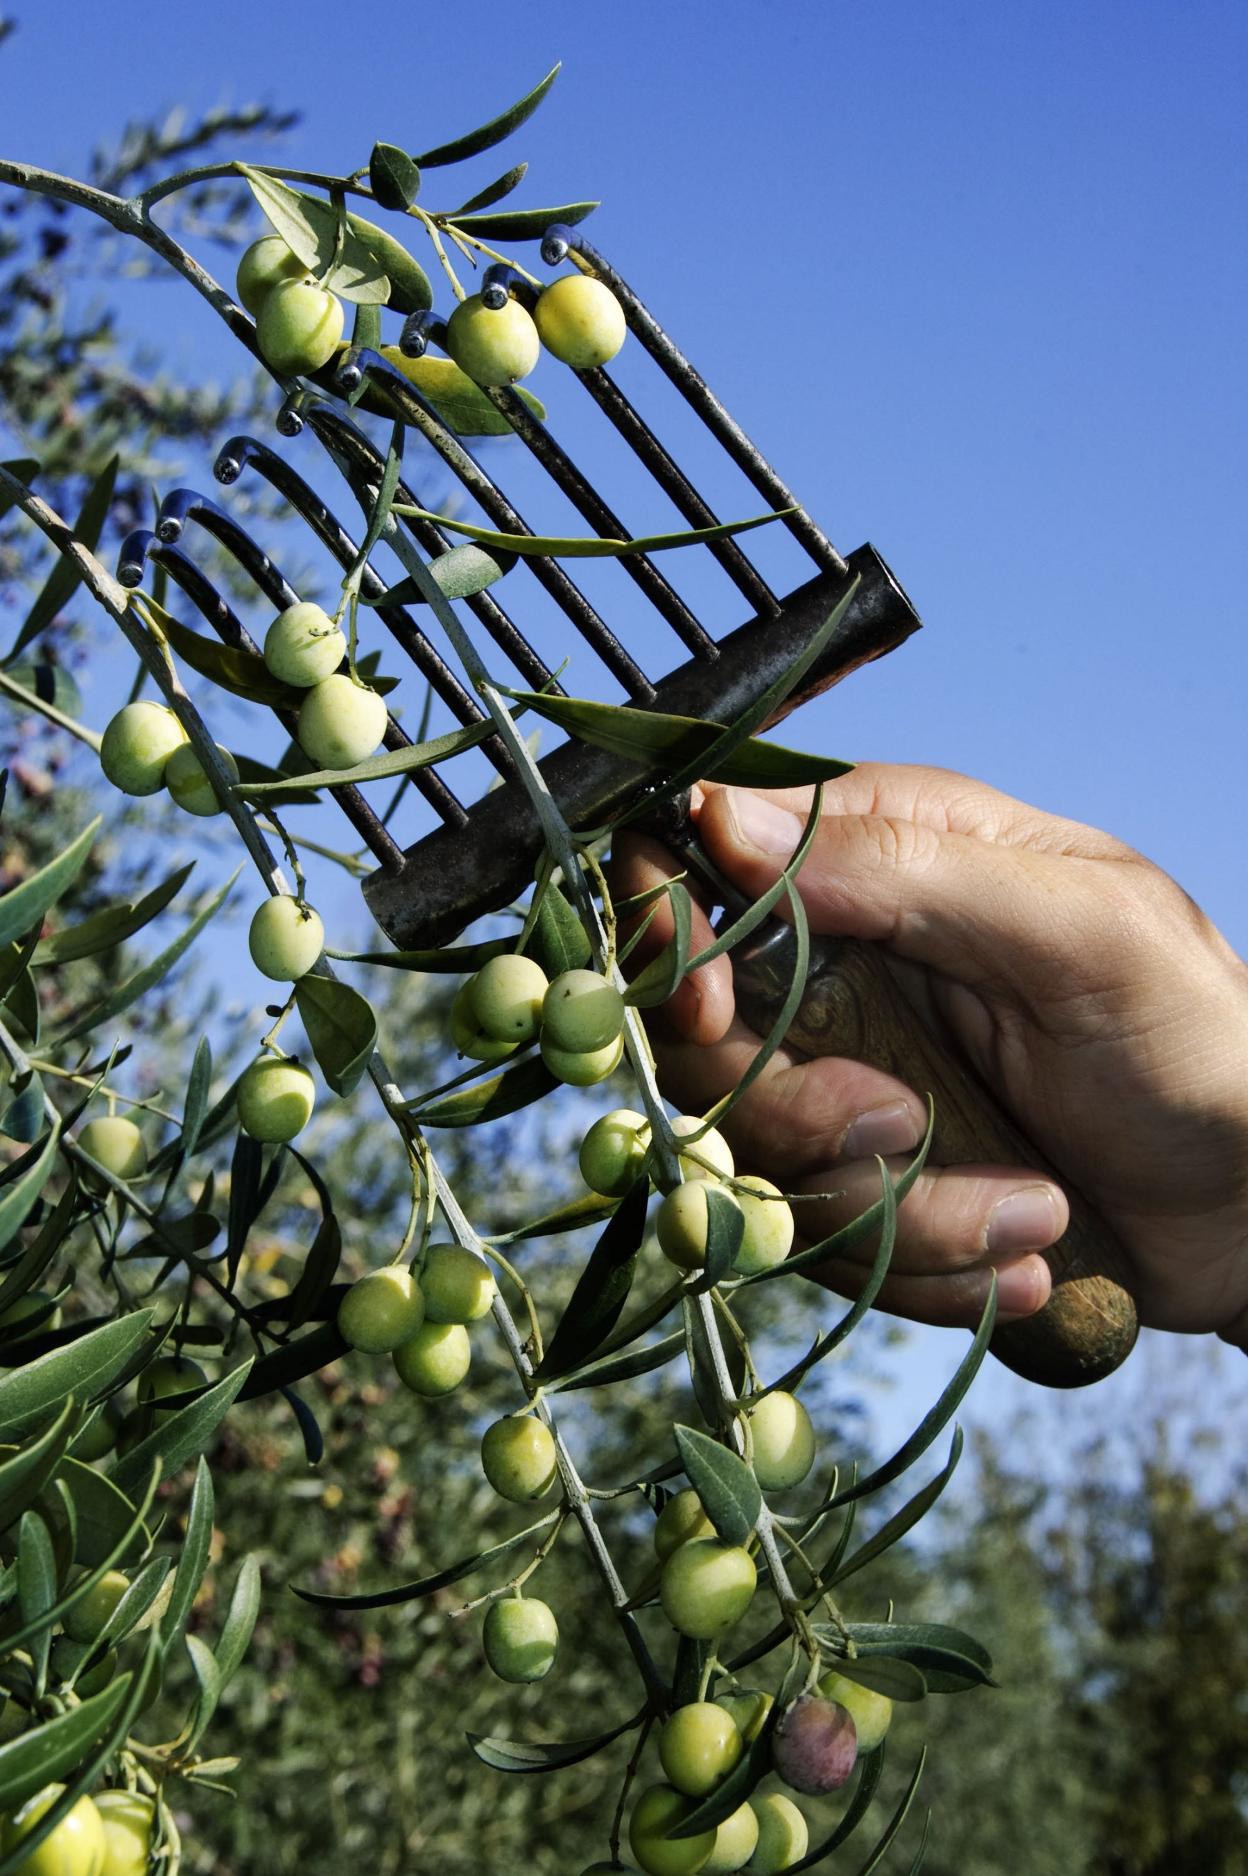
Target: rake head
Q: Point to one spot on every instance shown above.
(483, 855)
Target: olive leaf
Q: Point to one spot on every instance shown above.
(449, 960)
(493, 192)
(150, 974)
(230, 667)
(410, 289)
(655, 984)
(24, 906)
(112, 924)
(182, 1435)
(487, 135)
(376, 768)
(462, 405)
(728, 1490)
(626, 1367)
(24, 1475)
(602, 1288)
(66, 575)
(307, 1354)
(901, 1521)
(501, 1094)
(653, 738)
(341, 1027)
(393, 177)
(521, 224)
(83, 1367)
(38, 1757)
(586, 546)
(23, 1182)
(340, 259)
(558, 942)
(516, 1755)
(425, 1585)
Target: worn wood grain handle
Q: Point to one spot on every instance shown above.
(853, 1007)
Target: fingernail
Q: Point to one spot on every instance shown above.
(883, 1130)
(1022, 1288)
(760, 824)
(1025, 1221)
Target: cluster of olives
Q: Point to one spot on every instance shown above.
(705, 1587)
(578, 1017)
(299, 324)
(144, 749)
(616, 1151)
(107, 1835)
(577, 319)
(341, 721)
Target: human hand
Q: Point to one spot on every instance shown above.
(1088, 991)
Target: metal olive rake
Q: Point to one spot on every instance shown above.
(482, 856)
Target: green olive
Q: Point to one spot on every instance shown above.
(458, 1285)
(783, 1441)
(266, 264)
(521, 1638)
(275, 1099)
(382, 1311)
(136, 746)
(518, 1458)
(341, 722)
(116, 1144)
(285, 938)
(656, 1812)
(303, 646)
(581, 1011)
(707, 1586)
(299, 327)
(492, 347)
(769, 1227)
(187, 780)
(580, 321)
(434, 1360)
(506, 997)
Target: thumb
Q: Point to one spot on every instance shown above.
(987, 914)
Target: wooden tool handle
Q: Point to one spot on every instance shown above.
(853, 1007)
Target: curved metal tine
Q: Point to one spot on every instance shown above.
(243, 451)
(415, 410)
(188, 505)
(698, 395)
(560, 467)
(667, 472)
(143, 545)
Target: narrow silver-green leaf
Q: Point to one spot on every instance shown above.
(24, 906)
(585, 546)
(50, 1751)
(377, 768)
(527, 1756)
(487, 135)
(193, 1562)
(656, 983)
(501, 1094)
(240, 1621)
(727, 1487)
(66, 577)
(493, 192)
(341, 1027)
(309, 227)
(601, 1291)
(182, 1435)
(83, 1368)
(393, 177)
(522, 224)
(113, 924)
(26, 1178)
(24, 1475)
(150, 974)
(425, 1585)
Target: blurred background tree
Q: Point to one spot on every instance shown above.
(1113, 1597)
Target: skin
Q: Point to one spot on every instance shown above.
(74, 1848)
(493, 347)
(1094, 997)
(698, 1747)
(299, 327)
(871, 1713)
(581, 1011)
(613, 1152)
(657, 1811)
(434, 1360)
(505, 997)
(137, 745)
(706, 1586)
(521, 1638)
(83, 1621)
(580, 321)
(784, 1441)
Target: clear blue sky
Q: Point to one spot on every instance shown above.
(974, 276)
